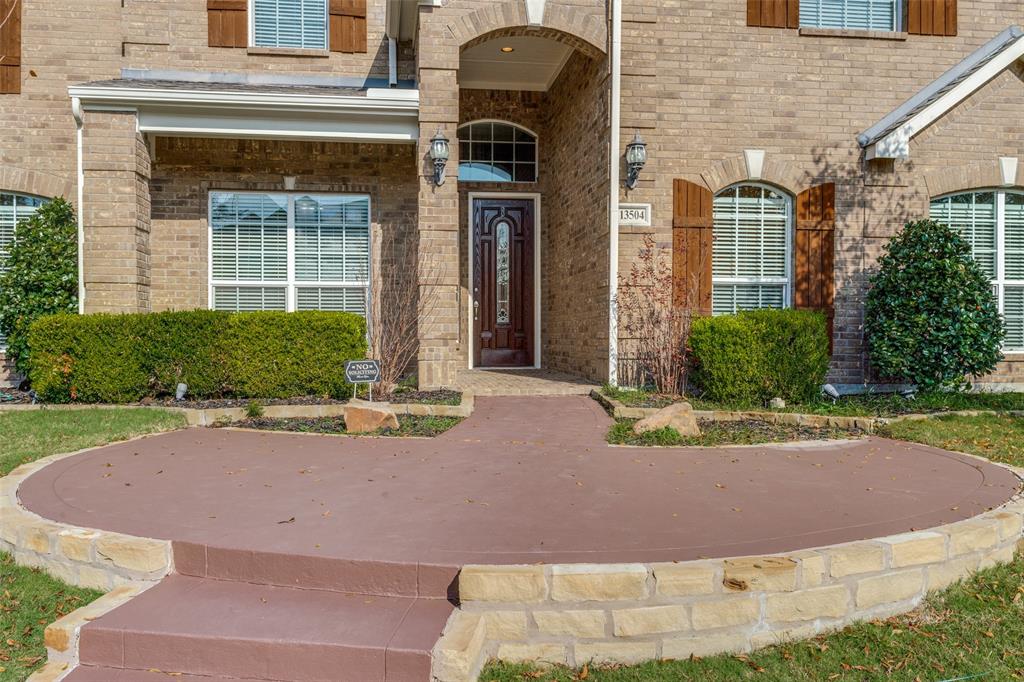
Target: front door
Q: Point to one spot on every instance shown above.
(503, 305)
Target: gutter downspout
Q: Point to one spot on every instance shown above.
(76, 112)
(613, 203)
(392, 62)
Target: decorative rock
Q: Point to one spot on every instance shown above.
(623, 653)
(684, 580)
(889, 588)
(678, 416)
(546, 654)
(582, 624)
(820, 602)
(777, 404)
(134, 554)
(650, 620)
(366, 417)
(598, 582)
(915, 549)
(683, 648)
(726, 613)
(861, 557)
(760, 574)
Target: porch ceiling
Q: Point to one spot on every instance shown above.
(202, 109)
(533, 64)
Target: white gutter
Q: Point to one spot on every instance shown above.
(613, 204)
(76, 112)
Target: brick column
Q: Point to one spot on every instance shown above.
(439, 234)
(115, 213)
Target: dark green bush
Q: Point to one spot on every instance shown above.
(41, 276)
(757, 355)
(931, 317)
(125, 358)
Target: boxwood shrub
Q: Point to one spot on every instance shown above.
(749, 358)
(126, 358)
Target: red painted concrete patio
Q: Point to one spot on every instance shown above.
(525, 480)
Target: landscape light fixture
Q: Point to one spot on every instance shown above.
(636, 159)
(439, 153)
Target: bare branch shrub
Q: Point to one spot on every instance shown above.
(398, 307)
(655, 326)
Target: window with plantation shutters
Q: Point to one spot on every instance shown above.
(992, 223)
(14, 208)
(872, 15)
(293, 24)
(751, 261)
(289, 252)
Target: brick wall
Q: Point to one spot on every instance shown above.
(187, 170)
(701, 86)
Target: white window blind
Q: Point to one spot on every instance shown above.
(14, 208)
(873, 15)
(289, 252)
(290, 23)
(992, 223)
(751, 253)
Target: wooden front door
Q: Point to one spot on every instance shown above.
(503, 305)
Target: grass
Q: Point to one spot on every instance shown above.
(30, 435)
(975, 628)
(723, 433)
(29, 601)
(997, 437)
(409, 426)
(868, 405)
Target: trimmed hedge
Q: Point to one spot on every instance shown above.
(757, 355)
(125, 358)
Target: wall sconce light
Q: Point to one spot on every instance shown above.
(439, 153)
(636, 159)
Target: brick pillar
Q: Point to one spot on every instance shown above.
(116, 213)
(438, 270)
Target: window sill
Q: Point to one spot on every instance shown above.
(852, 33)
(288, 52)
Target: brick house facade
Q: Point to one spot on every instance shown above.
(159, 118)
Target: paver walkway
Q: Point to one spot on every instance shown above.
(525, 480)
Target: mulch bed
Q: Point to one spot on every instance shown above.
(409, 426)
(417, 397)
(722, 433)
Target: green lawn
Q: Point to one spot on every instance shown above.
(973, 629)
(999, 438)
(30, 599)
(28, 436)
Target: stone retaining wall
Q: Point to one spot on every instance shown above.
(629, 613)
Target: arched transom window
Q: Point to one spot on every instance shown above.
(14, 208)
(493, 151)
(751, 261)
(992, 222)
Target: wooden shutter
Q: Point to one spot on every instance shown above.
(10, 47)
(228, 23)
(814, 277)
(692, 237)
(931, 17)
(348, 26)
(773, 13)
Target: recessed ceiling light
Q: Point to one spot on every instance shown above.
(507, 49)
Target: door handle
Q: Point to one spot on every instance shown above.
(476, 310)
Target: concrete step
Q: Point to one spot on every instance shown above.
(89, 673)
(223, 629)
(356, 576)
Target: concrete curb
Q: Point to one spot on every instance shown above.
(206, 417)
(867, 424)
(630, 613)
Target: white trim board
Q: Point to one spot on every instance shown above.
(987, 62)
(382, 115)
(537, 281)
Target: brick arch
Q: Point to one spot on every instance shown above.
(782, 174)
(964, 177)
(37, 183)
(572, 26)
